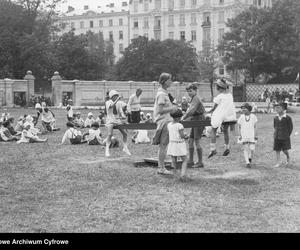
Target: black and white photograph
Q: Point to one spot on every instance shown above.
(148, 116)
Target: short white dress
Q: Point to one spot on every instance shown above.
(225, 110)
(177, 145)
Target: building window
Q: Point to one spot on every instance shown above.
(110, 21)
(171, 4)
(221, 1)
(171, 35)
(221, 70)
(157, 22)
(91, 24)
(193, 3)
(146, 22)
(194, 35)
(146, 5)
(72, 25)
(82, 25)
(135, 23)
(221, 17)
(206, 17)
(182, 20)
(182, 35)
(206, 35)
(111, 36)
(221, 34)
(157, 4)
(193, 19)
(100, 23)
(121, 22)
(171, 20)
(121, 49)
(182, 4)
(135, 6)
(120, 35)
(259, 2)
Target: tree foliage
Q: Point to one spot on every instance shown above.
(145, 60)
(264, 41)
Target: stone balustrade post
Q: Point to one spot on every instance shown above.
(30, 84)
(56, 89)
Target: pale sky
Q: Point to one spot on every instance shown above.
(78, 4)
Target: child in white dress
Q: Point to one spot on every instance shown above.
(177, 146)
(89, 120)
(223, 111)
(28, 136)
(247, 132)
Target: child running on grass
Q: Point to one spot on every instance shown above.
(177, 146)
(222, 111)
(247, 132)
(283, 126)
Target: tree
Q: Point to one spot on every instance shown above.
(264, 41)
(144, 60)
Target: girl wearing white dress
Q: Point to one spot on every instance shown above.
(247, 130)
(177, 145)
(223, 111)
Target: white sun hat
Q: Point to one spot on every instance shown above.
(112, 93)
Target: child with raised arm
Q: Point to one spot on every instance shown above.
(283, 126)
(222, 111)
(177, 146)
(247, 132)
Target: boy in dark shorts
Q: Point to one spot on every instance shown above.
(195, 112)
(283, 126)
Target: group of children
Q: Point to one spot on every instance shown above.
(223, 114)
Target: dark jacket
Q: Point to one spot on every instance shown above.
(283, 128)
(196, 109)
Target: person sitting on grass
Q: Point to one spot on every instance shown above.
(283, 126)
(114, 117)
(48, 119)
(74, 135)
(100, 119)
(4, 116)
(247, 132)
(89, 120)
(9, 126)
(5, 135)
(222, 111)
(177, 145)
(20, 124)
(28, 137)
(93, 136)
(78, 121)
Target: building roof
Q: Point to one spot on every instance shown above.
(98, 7)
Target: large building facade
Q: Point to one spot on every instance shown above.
(201, 22)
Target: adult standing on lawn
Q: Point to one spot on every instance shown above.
(161, 115)
(195, 112)
(134, 107)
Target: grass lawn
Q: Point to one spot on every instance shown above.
(73, 188)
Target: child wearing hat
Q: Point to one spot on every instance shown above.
(114, 117)
(28, 136)
(222, 111)
(247, 132)
(89, 120)
(78, 121)
(283, 126)
(177, 145)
